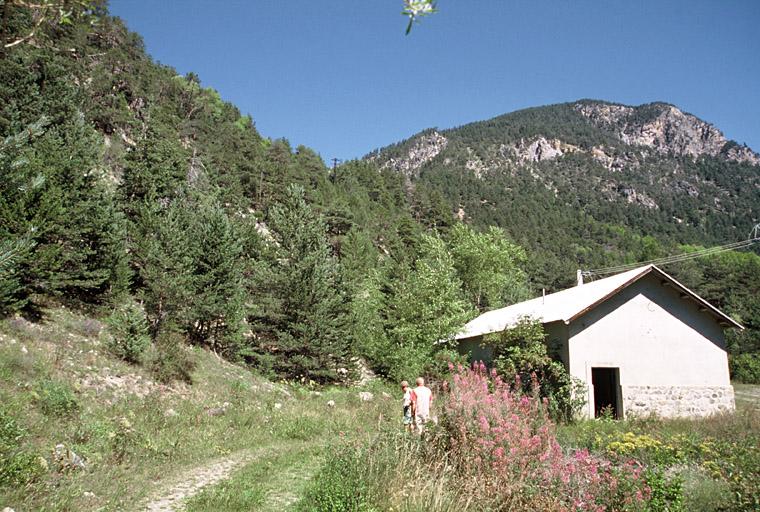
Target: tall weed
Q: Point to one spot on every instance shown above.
(55, 398)
(504, 440)
(17, 465)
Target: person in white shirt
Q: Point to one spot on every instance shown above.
(422, 399)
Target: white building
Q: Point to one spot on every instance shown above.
(641, 341)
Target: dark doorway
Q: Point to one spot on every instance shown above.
(606, 382)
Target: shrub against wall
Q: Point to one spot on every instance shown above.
(521, 355)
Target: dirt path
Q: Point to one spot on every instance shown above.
(282, 488)
(173, 494)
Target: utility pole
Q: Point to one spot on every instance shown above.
(335, 162)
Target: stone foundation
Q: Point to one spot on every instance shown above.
(677, 401)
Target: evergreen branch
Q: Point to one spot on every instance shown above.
(10, 251)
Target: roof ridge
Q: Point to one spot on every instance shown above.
(571, 303)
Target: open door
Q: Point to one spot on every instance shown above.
(606, 382)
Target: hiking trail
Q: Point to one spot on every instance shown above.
(173, 494)
(281, 490)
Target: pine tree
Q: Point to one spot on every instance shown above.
(216, 311)
(358, 256)
(300, 318)
(53, 195)
(369, 325)
(16, 189)
(155, 171)
(163, 262)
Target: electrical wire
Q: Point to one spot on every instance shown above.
(677, 257)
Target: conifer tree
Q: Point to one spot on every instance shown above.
(300, 312)
(216, 310)
(358, 256)
(369, 329)
(17, 188)
(155, 171)
(163, 261)
(53, 195)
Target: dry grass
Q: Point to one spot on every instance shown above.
(133, 432)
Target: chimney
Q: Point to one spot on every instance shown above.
(580, 277)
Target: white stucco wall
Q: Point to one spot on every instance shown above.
(671, 355)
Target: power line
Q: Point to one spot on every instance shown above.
(673, 259)
(754, 238)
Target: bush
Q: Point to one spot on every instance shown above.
(129, 332)
(521, 355)
(171, 361)
(17, 467)
(666, 492)
(122, 439)
(746, 368)
(55, 398)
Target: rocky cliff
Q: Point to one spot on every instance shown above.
(666, 129)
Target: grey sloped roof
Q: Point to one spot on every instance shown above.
(567, 305)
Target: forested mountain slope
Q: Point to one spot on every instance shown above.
(130, 190)
(583, 184)
(123, 180)
(126, 187)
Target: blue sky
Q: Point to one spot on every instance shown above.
(341, 77)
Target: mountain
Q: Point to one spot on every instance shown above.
(590, 183)
(123, 182)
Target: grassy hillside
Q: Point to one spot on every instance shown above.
(137, 438)
(284, 445)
